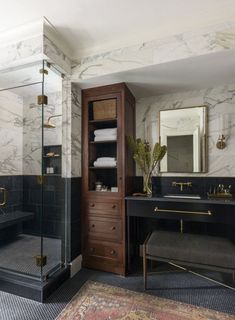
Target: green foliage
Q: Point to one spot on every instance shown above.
(146, 158)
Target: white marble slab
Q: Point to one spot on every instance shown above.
(221, 119)
(11, 133)
(190, 44)
(33, 121)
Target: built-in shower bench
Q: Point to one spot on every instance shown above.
(14, 218)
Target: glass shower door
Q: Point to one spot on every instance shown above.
(53, 217)
(21, 118)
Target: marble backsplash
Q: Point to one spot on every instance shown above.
(220, 102)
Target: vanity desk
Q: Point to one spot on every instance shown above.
(198, 216)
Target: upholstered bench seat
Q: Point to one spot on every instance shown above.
(190, 249)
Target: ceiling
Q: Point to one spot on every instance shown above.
(206, 71)
(93, 26)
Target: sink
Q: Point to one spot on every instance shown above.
(183, 196)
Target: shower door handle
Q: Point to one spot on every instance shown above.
(4, 191)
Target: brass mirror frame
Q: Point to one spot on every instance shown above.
(205, 139)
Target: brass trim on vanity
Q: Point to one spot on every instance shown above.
(208, 213)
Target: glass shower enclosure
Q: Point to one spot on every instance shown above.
(32, 190)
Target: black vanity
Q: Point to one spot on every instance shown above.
(213, 217)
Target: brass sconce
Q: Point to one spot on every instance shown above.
(221, 142)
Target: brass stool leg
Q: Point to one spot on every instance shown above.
(144, 268)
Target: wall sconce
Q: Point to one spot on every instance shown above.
(220, 144)
(224, 124)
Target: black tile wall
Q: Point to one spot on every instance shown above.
(200, 185)
(51, 222)
(49, 218)
(14, 187)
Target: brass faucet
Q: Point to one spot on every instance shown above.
(181, 184)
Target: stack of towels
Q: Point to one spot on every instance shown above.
(105, 162)
(105, 134)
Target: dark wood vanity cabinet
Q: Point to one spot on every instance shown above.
(103, 214)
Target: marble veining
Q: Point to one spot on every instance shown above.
(22, 52)
(220, 103)
(190, 44)
(55, 55)
(11, 133)
(33, 141)
(71, 133)
(76, 132)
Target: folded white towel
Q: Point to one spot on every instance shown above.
(105, 164)
(105, 138)
(108, 131)
(102, 159)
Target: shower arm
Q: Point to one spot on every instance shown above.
(58, 115)
(4, 191)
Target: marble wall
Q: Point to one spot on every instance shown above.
(11, 133)
(32, 142)
(208, 40)
(220, 102)
(31, 43)
(72, 130)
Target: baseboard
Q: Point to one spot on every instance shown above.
(75, 266)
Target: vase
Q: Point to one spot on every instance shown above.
(147, 184)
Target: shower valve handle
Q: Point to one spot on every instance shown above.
(4, 191)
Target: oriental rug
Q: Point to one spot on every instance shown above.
(98, 301)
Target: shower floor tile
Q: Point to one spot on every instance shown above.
(19, 255)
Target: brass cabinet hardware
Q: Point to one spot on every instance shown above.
(4, 191)
(93, 226)
(114, 206)
(208, 213)
(113, 228)
(92, 205)
(113, 252)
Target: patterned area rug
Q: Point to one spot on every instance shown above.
(97, 301)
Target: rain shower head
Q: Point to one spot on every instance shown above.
(49, 124)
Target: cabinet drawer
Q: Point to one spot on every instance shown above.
(107, 229)
(104, 250)
(187, 210)
(110, 208)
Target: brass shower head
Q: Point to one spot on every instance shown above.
(50, 125)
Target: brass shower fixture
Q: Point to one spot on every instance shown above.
(49, 124)
(4, 191)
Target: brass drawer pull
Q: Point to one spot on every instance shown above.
(114, 206)
(93, 226)
(113, 228)
(92, 205)
(112, 252)
(4, 196)
(208, 213)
